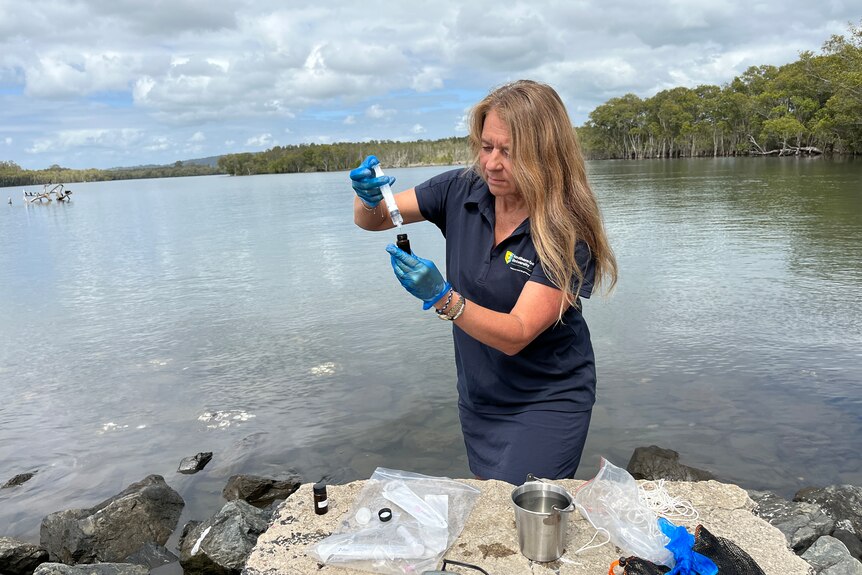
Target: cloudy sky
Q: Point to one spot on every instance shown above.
(103, 83)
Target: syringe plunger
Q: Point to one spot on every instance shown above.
(394, 212)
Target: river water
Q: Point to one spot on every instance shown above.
(149, 320)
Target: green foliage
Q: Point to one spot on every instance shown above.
(12, 175)
(345, 156)
(809, 106)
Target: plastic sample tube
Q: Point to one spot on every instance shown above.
(348, 547)
(394, 212)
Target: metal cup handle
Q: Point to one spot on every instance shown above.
(568, 509)
(571, 507)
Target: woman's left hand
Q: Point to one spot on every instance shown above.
(366, 184)
(419, 276)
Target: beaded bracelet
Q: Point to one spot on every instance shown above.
(455, 310)
(442, 310)
(463, 303)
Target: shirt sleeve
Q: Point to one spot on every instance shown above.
(586, 263)
(434, 195)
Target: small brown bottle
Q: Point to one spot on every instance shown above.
(403, 243)
(321, 503)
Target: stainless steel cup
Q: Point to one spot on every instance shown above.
(541, 518)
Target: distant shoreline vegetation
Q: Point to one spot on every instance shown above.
(808, 107)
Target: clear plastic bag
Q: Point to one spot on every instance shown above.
(428, 514)
(611, 503)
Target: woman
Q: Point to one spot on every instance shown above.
(524, 242)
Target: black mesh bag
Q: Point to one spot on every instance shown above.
(727, 556)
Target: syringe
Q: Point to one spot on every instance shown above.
(394, 212)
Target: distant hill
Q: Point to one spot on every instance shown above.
(211, 161)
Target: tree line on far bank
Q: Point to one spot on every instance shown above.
(346, 156)
(810, 106)
(11, 174)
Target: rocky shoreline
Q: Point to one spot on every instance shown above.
(126, 534)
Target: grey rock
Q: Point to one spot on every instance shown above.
(18, 480)
(828, 556)
(144, 512)
(655, 463)
(99, 569)
(152, 556)
(850, 541)
(222, 544)
(840, 502)
(802, 523)
(195, 463)
(259, 491)
(20, 558)
(187, 530)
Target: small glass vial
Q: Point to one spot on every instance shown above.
(403, 243)
(321, 503)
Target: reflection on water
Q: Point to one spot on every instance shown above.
(149, 320)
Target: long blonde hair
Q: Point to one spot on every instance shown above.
(549, 172)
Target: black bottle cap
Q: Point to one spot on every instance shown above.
(403, 243)
(319, 487)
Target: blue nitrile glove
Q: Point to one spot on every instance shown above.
(366, 186)
(419, 276)
(688, 561)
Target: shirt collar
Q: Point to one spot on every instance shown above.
(478, 192)
(480, 196)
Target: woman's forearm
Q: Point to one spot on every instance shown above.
(535, 311)
(372, 219)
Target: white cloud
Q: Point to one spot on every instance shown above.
(462, 126)
(515, 39)
(261, 141)
(378, 112)
(427, 79)
(198, 137)
(350, 120)
(418, 129)
(7, 141)
(177, 61)
(59, 73)
(158, 144)
(224, 65)
(99, 138)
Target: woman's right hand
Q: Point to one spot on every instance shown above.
(366, 185)
(420, 277)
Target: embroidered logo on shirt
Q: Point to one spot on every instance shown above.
(519, 264)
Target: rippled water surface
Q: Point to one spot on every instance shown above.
(149, 320)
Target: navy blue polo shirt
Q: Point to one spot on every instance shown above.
(556, 371)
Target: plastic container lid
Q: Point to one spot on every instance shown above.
(363, 515)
